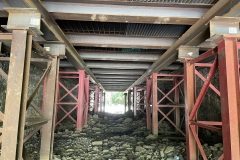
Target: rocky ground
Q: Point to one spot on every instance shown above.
(115, 137)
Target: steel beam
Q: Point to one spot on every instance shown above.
(135, 101)
(117, 71)
(176, 101)
(120, 65)
(49, 104)
(116, 76)
(154, 105)
(96, 100)
(189, 92)
(230, 96)
(115, 80)
(14, 95)
(92, 40)
(171, 55)
(125, 102)
(72, 54)
(119, 56)
(148, 101)
(117, 13)
(80, 100)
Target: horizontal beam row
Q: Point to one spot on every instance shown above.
(114, 41)
(118, 56)
(124, 13)
(119, 65)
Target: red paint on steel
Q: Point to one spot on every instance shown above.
(80, 101)
(189, 92)
(204, 89)
(230, 96)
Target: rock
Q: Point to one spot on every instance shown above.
(95, 117)
(127, 120)
(97, 143)
(151, 137)
(169, 149)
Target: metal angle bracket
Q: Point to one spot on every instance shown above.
(187, 52)
(24, 18)
(55, 48)
(224, 25)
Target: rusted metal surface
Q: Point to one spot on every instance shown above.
(230, 96)
(49, 105)
(80, 101)
(13, 96)
(148, 102)
(87, 95)
(119, 56)
(5, 36)
(120, 41)
(154, 105)
(189, 92)
(96, 100)
(117, 13)
(23, 109)
(171, 55)
(174, 106)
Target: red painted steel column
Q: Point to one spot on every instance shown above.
(86, 84)
(96, 101)
(50, 102)
(80, 100)
(230, 96)
(148, 97)
(154, 105)
(176, 101)
(101, 100)
(189, 92)
(135, 101)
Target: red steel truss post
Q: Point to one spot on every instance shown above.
(189, 92)
(48, 129)
(154, 105)
(96, 100)
(86, 88)
(80, 101)
(148, 101)
(176, 101)
(125, 102)
(135, 101)
(230, 96)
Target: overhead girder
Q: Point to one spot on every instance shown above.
(115, 41)
(188, 37)
(117, 71)
(165, 14)
(117, 76)
(119, 65)
(119, 56)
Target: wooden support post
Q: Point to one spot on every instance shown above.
(189, 92)
(14, 95)
(230, 96)
(154, 105)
